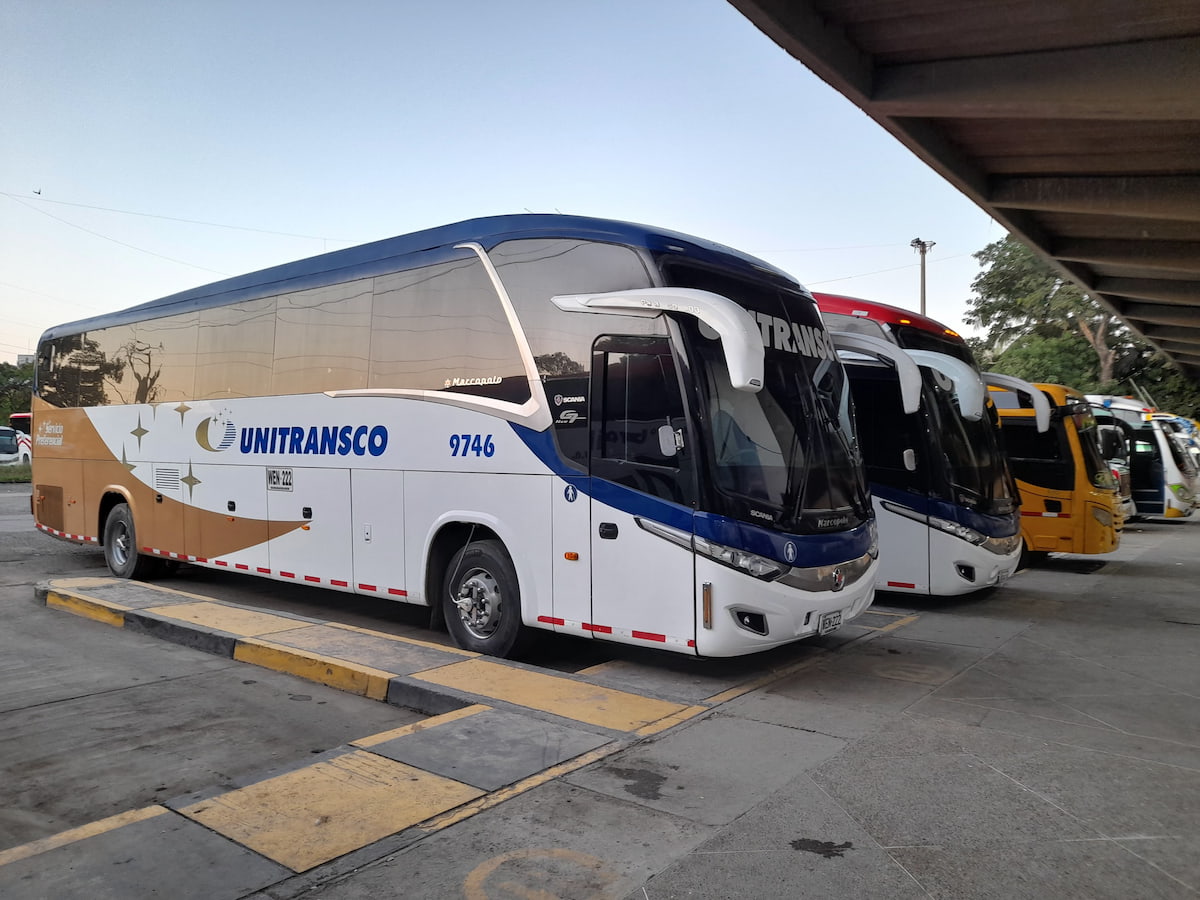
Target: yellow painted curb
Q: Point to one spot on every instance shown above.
(336, 673)
(88, 607)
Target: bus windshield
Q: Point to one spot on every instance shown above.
(975, 466)
(788, 451)
(1098, 472)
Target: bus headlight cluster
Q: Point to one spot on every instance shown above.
(1001, 546)
(1101, 515)
(758, 566)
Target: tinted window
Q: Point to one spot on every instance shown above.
(72, 371)
(1039, 458)
(885, 431)
(637, 394)
(442, 327)
(322, 339)
(171, 343)
(533, 271)
(235, 350)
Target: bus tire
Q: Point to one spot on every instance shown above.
(481, 601)
(120, 546)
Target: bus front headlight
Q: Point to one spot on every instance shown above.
(750, 563)
(1102, 515)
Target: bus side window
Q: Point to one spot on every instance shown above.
(636, 392)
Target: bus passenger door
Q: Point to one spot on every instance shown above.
(643, 491)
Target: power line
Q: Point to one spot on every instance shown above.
(114, 240)
(881, 271)
(128, 212)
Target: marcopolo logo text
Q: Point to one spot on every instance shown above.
(318, 440)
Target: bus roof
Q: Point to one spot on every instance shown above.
(380, 256)
(882, 312)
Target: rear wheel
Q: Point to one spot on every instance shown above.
(481, 601)
(120, 546)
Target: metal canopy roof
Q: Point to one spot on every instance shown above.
(1074, 123)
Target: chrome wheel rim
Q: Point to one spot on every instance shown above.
(478, 601)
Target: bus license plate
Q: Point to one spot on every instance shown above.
(829, 621)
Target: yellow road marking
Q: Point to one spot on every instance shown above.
(33, 848)
(430, 645)
(88, 607)
(899, 623)
(231, 619)
(672, 720)
(564, 697)
(336, 673)
(304, 818)
(374, 740)
(497, 797)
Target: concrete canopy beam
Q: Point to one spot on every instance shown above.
(1146, 80)
(1155, 197)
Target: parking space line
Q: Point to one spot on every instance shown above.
(566, 697)
(307, 817)
(83, 832)
(374, 740)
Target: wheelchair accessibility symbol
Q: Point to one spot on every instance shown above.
(570, 492)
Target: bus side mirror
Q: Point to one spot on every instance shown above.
(1111, 445)
(910, 460)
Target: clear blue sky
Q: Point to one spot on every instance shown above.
(343, 123)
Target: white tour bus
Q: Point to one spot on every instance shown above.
(532, 421)
(946, 503)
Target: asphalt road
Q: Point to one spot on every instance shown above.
(1041, 740)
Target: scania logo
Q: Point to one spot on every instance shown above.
(839, 579)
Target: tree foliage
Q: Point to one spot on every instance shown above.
(16, 389)
(1041, 327)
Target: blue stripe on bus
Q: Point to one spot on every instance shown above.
(991, 526)
(811, 549)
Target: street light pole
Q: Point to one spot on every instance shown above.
(922, 247)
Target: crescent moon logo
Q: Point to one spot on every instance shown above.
(225, 442)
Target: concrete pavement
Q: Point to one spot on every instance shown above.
(1039, 741)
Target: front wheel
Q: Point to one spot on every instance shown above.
(120, 545)
(481, 601)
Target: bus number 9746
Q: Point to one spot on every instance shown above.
(466, 444)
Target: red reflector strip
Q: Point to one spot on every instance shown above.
(901, 584)
(199, 559)
(397, 592)
(264, 571)
(312, 578)
(550, 620)
(242, 566)
(599, 629)
(649, 636)
(287, 574)
(221, 562)
(1046, 515)
(367, 587)
(337, 583)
